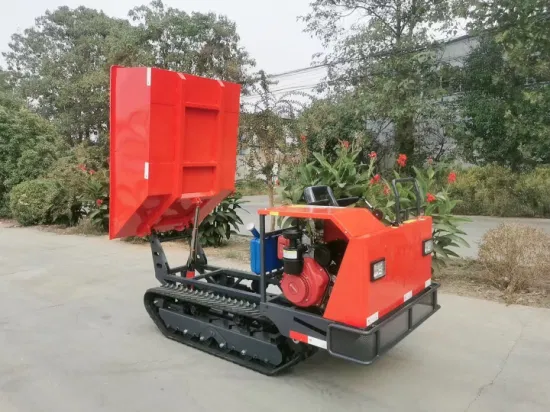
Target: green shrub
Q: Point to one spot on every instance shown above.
(344, 176)
(497, 191)
(86, 187)
(28, 148)
(218, 225)
(215, 229)
(533, 193)
(39, 201)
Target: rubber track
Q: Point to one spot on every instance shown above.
(213, 300)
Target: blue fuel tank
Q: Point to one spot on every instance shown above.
(272, 262)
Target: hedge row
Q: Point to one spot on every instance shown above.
(496, 191)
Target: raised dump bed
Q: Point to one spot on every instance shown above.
(173, 147)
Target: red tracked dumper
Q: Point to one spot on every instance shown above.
(338, 278)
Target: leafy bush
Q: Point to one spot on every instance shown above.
(440, 206)
(28, 147)
(96, 197)
(222, 222)
(343, 175)
(497, 191)
(515, 256)
(533, 193)
(86, 183)
(38, 201)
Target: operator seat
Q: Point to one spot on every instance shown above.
(324, 196)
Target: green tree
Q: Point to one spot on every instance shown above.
(510, 78)
(502, 121)
(389, 58)
(522, 28)
(202, 44)
(62, 65)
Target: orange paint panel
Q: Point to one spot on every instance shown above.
(355, 296)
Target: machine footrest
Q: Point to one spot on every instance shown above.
(364, 346)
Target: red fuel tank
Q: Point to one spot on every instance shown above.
(173, 146)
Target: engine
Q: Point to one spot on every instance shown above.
(304, 281)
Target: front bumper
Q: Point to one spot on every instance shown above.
(364, 346)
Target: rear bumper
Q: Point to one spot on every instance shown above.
(364, 346)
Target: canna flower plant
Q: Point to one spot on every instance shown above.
(348, 178)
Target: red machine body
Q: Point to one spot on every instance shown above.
(173, 160)
(355, 299)
(309, 287)
(173, 142)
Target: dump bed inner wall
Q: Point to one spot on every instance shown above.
(173, 140)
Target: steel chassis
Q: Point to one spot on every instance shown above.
(273, 346)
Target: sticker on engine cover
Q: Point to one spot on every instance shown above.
(290, 254)
(372, 318)
(428, 283)
(407, 295)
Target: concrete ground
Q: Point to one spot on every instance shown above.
(475, 229)
(74, 336)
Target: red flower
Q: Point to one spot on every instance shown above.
(92, 172)
(372, 155)
(386, 190)
(375, 179)
(277, 182)
(303, 138)
(430, 198)
(430, 161)
(402, 160)
(99, 202)
(345, 144)
(452, 177)
(82, 167)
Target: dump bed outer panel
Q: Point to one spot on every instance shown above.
(173, 146)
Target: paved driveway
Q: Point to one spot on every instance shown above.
(74, 336)
(475, 229)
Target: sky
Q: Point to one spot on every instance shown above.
(270, 31)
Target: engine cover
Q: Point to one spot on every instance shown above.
(308, 288)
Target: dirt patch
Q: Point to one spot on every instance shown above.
(469, 278)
